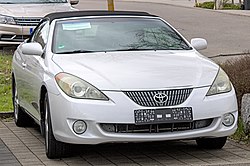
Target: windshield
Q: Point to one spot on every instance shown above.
(115, 34)
(31, 1)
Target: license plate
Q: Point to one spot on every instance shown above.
(169, 115)
(31, 31)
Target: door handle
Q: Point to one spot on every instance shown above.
(24, 64)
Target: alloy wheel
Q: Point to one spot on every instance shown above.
(46, 127)
(16, 105)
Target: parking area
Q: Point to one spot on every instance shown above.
(25, 146)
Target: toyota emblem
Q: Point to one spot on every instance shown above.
(160, 98)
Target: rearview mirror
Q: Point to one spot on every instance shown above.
(74, 2)
(199, 43)
(32, 49)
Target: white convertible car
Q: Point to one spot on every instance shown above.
(93, 77)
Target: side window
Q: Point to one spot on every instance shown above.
(41, 34)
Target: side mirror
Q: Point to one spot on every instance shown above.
(32, 49)
(74, 2)
(199, 43)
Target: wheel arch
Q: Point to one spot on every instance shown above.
(13, 82)
(43, 92)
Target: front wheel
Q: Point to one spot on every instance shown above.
(53, 148)
(211, 143)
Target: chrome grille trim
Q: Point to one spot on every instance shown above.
(146, 98)
(27, 21)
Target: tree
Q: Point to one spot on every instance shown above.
(111, 6)
(196, 3)
(218, 4)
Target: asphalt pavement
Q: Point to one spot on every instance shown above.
(191, 4)
(225, 31)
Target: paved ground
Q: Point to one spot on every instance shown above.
(6, 157)
(25, 146)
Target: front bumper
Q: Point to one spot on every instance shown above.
(120, 110)
(14, 34)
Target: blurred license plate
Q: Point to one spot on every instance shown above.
(31, 31)
(169, 115)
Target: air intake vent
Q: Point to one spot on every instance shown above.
(155, 128)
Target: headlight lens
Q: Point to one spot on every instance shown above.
(7, 20)
(78, 88)
(221, 84)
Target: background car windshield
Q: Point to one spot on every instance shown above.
(31, 1)
(115, 34)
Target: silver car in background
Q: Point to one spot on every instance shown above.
(92, 77)
(18, 18)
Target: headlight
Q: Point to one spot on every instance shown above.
(7, 20)
(221, 84)
(78, 88)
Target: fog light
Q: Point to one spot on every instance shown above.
(79, 127)
(228, 120)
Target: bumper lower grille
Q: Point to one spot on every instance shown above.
(24, 21)
(13, 38)
(159, 98)
(155, 128)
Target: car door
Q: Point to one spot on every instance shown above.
(34, 69)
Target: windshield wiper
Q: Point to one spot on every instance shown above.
(132, 49)
(75, 51)
(182, 48)
(6, 3)
(159, 49)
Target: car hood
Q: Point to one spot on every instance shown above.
(147, 70)
(33, 10)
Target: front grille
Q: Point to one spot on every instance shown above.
(146, 98)
(155, 128)
(13, 38)
(25, 21)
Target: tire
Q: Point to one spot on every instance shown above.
(20, 117)
(54, 149)
(211, 143)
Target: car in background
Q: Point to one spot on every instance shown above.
(18, 18)
(92, 77)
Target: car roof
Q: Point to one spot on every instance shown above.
(69, 14)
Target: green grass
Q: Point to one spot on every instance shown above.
(231, 7)
(240, 135)
(5, 83)
(210, 5)
(207, 5)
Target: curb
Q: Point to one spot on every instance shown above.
(4, 115)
